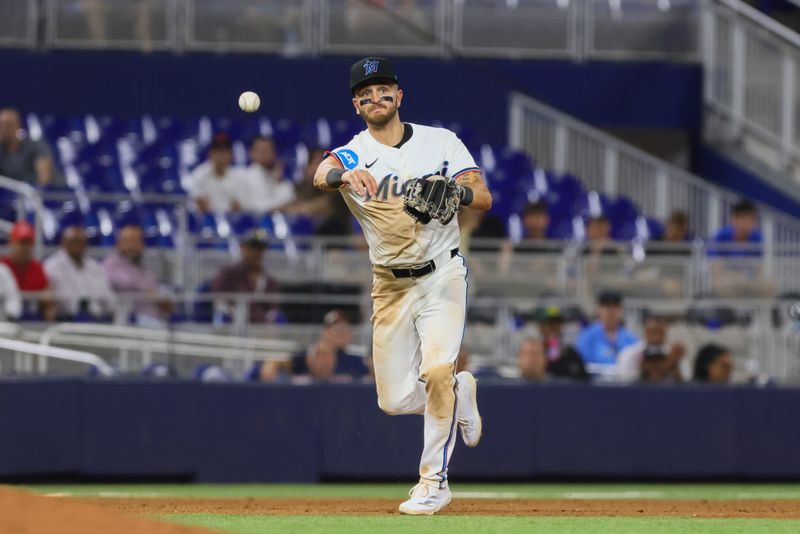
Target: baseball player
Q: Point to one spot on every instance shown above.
(405, 183)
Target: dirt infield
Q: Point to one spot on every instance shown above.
(24, 513)
(782, 509)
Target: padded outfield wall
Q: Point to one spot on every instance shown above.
(64, 428)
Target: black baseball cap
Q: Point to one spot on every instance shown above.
(609, 298)
(371, 69)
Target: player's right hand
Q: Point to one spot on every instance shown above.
(362, 181)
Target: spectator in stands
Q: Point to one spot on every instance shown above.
(598, 238)
(713, 364)
(22, 158)
(266, 188)
(216, 186)
(735, 256)
(28, 272)
(742, 230)
(531, 359)
(9, 295)
(535, 221)
(651, 359)
(337, 334)
(676, 229)
(318, 364)
(79, 283)
(600, 343)
(127, 273)
(309, 200)
(329, 213)
(563, 361)
(481, 225)
(249, 277)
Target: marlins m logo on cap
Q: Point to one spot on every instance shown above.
(370, 67)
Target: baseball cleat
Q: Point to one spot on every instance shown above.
(469, 419)
(426, 500)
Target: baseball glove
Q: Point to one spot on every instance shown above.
(430, 198)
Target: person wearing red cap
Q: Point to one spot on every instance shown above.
(28, 272)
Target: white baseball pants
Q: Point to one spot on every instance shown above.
(418, 326)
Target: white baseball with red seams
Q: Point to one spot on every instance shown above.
(249, 102)
(418, 323)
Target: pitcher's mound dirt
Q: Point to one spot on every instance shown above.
(24, 513)
(784, 509)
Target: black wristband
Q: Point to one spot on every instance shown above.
(466, 196)
(334, 178)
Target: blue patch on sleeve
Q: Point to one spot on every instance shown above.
(348, 157)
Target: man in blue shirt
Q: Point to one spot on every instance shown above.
(600, 342)
(741, 231)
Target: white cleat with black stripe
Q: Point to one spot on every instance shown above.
(426, 500)
(469, 419)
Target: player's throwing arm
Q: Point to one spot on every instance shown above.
(330, 176)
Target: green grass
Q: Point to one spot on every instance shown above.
(396, 491)
(235, 524)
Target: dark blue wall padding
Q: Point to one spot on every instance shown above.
(259, 433)
(146, 428)
(472, 92)
(40, 427)
(249, 433)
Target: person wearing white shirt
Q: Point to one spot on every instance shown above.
(216, 186)
(79, 283)
(267, 190)
(9, 294)
(651, 359)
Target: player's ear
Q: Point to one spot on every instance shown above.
(355, 105)
(399, 96)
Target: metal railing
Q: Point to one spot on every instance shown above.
(752, 70)
(19, 349)
(18, 23)
(558, 142)
(760, 333)
(31, 201)
(575, 29)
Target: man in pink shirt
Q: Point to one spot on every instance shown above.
(127, 274)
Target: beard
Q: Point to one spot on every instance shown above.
(383, 120)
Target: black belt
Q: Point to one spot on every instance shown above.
(420, 270)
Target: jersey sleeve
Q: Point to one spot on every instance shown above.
(347, 156)
(459, 158)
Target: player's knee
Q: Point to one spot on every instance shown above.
(395, 401)
(439, 386)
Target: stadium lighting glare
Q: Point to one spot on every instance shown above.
(663, 5)
(562, 4)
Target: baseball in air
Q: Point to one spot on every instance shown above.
(249, 101)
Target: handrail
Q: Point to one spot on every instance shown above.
(658, 185)
(179, 343)
(764, 21)
(515, 127)
(30, 193)
(161, 335)
(57, 353)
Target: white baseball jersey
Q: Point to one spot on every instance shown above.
(394, 238)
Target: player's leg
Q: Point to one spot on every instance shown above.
(440, 325)
(395, 346)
